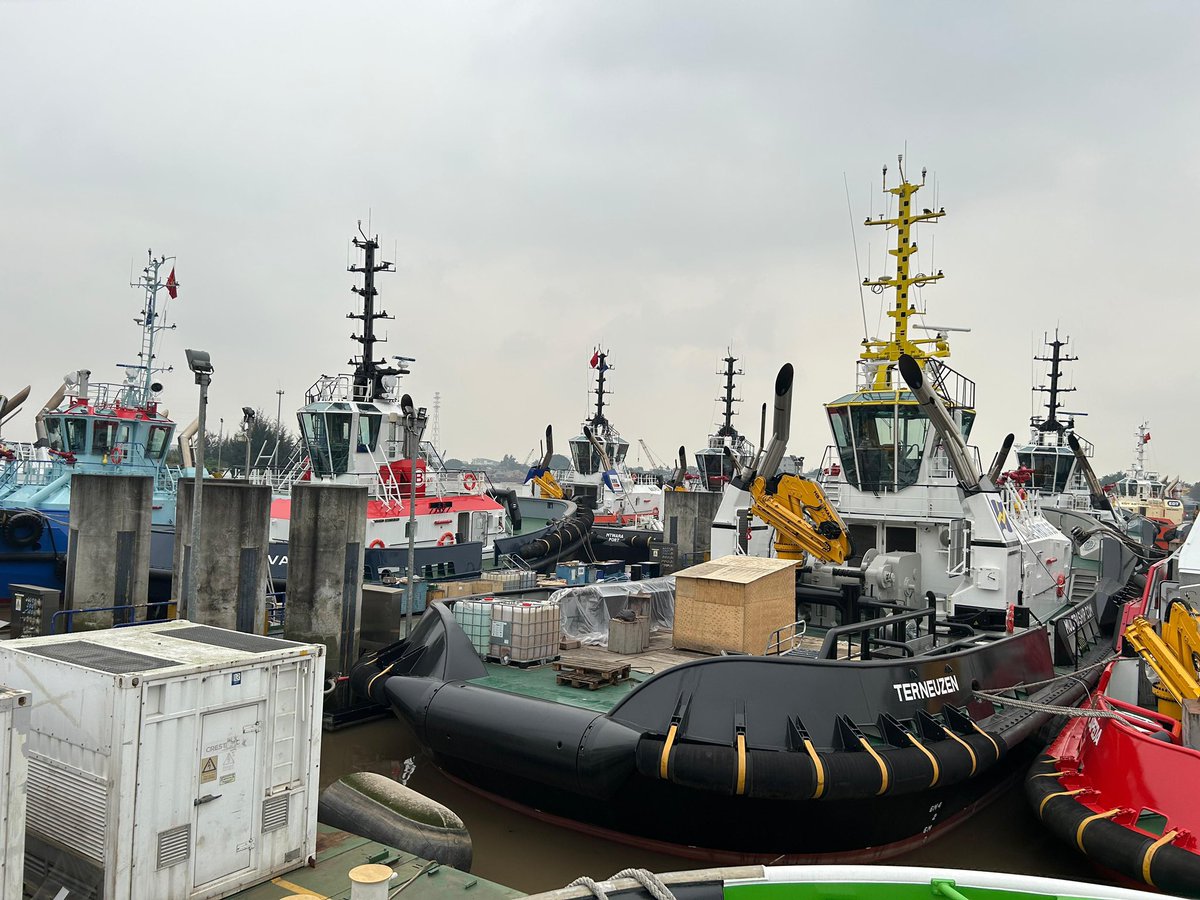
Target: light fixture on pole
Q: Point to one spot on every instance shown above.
(248, 427)
(406, 406)
(200, 364)
(278, 427)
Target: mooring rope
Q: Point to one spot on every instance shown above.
(1024, 686)
(1070, 711)
(647, 879)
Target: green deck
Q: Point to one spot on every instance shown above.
(539, 682)
(339, 852)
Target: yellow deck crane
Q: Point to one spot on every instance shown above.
(803, 520)
(1174, 655)
(795, 506)
(542, 476)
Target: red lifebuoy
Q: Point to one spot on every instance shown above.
(117, 455)
(469, 481)
(446, 539)
(377, 544)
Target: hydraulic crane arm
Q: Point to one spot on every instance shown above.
(803, 520)
(1174, 656)
(541, 474)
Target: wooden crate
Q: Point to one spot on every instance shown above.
(733, 603)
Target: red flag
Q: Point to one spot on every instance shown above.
(1146, 438)
(172, 286)
(595, 359)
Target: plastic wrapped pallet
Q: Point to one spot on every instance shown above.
(587, 610)
(524, 632)
(733, 603)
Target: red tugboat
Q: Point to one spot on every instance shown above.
(1123, 786)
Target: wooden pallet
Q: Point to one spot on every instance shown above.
(592, 677)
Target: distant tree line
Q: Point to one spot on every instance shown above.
(225, 449)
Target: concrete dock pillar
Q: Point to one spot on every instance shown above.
(326, 540)
(108, 553)
(231, 571)
(687, 523)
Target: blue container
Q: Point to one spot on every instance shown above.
(574, 573)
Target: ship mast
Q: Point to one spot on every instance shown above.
(727, 429)
(601, 367)
(1056, 359)
(1143, 438)
(884, 355)
(369, 372)
(150, 281)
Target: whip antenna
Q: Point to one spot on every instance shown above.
(862, 301)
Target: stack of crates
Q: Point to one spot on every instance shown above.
(474, 617)
(524, 633)
(511, 579)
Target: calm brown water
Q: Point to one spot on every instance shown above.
(531, 855)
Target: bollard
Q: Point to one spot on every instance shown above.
(370, 882)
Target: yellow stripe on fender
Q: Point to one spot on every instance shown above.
(818, 767)
(666, 753)
(1089, 820)
(1149, 857)
(932, 759)
(741, 753)
(1049, 797)
(965, 746)
(883, 772)
(989, 737)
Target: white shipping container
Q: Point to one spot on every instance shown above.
(169, 761)
(14, 726)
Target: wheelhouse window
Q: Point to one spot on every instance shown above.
(968, 420)
(839, 423)
(881, 446)
(368, 431)
(1051, 471)
(54, 433)
(327, 440)
(716, 469)
(584, 457)
(616, 451)
(157, 443)
(76, 434)
(104, 436)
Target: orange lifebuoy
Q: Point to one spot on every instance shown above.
(117, 455)
(446, 539)
(469, 481)
(377, 544)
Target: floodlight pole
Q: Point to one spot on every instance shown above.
(410, 424)
(203, 377)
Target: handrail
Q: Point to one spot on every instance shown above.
(798, 628)
(833, 635)
(168, 606)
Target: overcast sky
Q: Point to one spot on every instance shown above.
(660, 178)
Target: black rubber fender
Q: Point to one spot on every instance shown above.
(380, 809)
(24, 529)
(1114, 846)
(843, 774)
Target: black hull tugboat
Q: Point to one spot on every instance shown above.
(852, 736)
(733, 758)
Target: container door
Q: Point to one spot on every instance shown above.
(225, 792)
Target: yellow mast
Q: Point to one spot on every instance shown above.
(885, 354)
